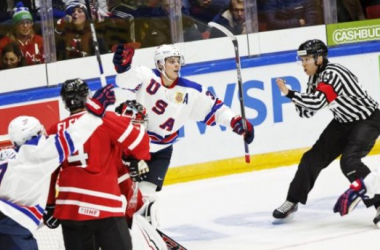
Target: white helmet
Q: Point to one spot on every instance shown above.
(164, 51)
(23, 128)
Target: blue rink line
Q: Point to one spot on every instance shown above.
(41, 93)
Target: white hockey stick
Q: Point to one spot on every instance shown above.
(239, 79)
(103, 81)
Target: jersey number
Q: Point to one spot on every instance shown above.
(79, 159)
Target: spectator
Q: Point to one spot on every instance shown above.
(349, 10)
(23, 34)
(11, 57)
(74, 37)
(233, 19)
(204, 11)
(119, 25)
(284, 14)
(158, 23)
(5, 10)
(366, 4)
(33, 6)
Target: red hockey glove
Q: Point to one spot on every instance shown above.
(122, 57)
(99, 102)
(351, 198)
(238, 128)
(49, 220)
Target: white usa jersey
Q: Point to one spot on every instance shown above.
(169, 108)
(25, 175)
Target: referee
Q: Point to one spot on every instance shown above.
(351, 133)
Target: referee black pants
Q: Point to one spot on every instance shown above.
(109, 233)
(352, 141)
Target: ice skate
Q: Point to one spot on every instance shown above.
(376, 220)
(285, 212)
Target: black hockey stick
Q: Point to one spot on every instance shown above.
(103, 81)
(170, 243)
(239, 79)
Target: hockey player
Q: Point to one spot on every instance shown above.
(351, 133)
(365, 189)
(25, 170)
(89, 202)
(170, 101)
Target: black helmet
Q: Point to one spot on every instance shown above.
(74, 93)
(313, 47)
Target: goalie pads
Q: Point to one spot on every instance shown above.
(144, 236)
(150, 212)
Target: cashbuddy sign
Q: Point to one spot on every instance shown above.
(352, 32)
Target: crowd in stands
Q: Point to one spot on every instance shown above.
(146, 23)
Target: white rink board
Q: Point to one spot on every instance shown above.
(290, 132)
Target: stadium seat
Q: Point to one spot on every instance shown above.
(373, 11)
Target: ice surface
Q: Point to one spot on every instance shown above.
(235, 212)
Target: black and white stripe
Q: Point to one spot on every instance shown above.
(352, 103)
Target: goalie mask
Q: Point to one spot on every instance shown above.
(24, 128)
(74, 94)
(134, 110)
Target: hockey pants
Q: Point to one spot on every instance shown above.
(352, 141)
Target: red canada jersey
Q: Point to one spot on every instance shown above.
(32, 49)
(88, 180)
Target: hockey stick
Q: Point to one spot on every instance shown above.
(103, 81)
(239, 79)
(170, 243)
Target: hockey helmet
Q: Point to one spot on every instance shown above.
(313, 47)
(24, 128)
(164, 51)
(134, 110)
(74, 93)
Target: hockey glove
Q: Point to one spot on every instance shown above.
(99, 102)
(238, 128)
(122, 57)
(351, 198)
(49, 220)
(137, 169)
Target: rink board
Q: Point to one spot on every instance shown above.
(202, 152)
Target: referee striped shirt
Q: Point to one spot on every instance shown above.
(339, 89)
